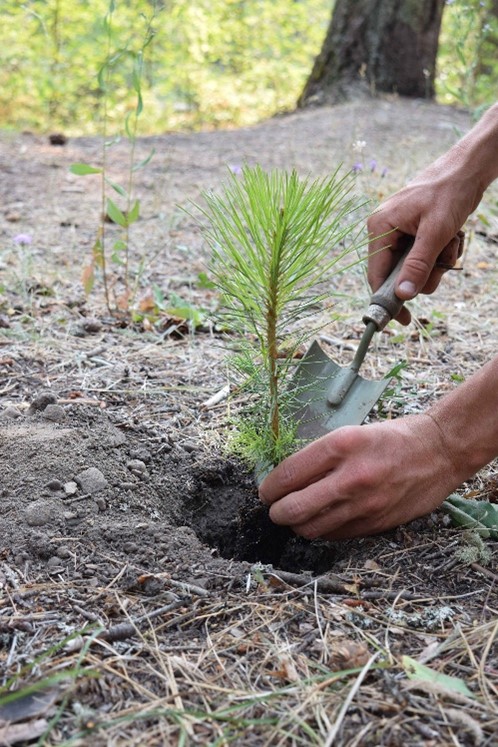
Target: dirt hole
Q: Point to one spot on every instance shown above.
(227, 515)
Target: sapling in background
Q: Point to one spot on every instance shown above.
(274, 237)
(117, 285)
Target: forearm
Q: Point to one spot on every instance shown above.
(432, 208)
(472, 162)
(468, 421)
(478, 150)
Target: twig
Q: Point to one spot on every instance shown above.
(340, 718)
(216, 398)
(325, 584)
(125, 630)
(122, 631)
(183, 585)
(484, 571)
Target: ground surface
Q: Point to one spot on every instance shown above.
(133, 587)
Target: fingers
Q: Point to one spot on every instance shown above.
(335, 525)
(446, 261)
(419, 272)
(423, 267)
(309, 511)
(382, 256)
(452, 251)
(299, 470)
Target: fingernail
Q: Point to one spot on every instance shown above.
(407, 288)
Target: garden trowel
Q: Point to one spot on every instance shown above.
(328, 396)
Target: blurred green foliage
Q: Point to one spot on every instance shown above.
(468, 54)
(212, 63)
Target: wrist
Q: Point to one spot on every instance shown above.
(467, 419)
(477, 152)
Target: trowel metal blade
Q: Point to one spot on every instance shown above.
(311, 383)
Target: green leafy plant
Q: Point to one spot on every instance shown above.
(480, 516)
(274, 238)
(444, 682)
(117, 298)
(467, 53)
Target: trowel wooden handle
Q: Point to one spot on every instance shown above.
(384, 303)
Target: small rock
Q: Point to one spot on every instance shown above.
(11, 413)
(71, 515)
(54, 561)
(13, 217)
(91, 326)
(189, 446)
(21, 558)
(117, 438)
(127, 485)
(71, 488)
(38, 513)
(91, 480)
(143, 454)
(137, 467)
(41, 402)
(54, 485)
(63, 552)
(100, 503)
(55, 413)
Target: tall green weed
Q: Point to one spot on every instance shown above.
(467, 60)
(113, 263)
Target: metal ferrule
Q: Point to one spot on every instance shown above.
(378, 315)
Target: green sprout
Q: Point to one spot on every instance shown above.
(118, 256)
(272, 236)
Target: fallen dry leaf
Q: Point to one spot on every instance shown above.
(348, 654)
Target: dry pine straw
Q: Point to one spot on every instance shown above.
(259, 661)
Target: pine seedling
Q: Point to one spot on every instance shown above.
(274, 237)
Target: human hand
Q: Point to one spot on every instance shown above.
(432, 209)
(361, 480)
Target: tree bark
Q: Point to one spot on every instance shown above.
(376, 46)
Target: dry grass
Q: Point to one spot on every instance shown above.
(270, 664)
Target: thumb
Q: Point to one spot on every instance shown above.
(419, 263)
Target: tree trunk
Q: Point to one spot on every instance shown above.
(376, 46)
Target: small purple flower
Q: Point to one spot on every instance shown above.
(384, 172)
(22, 239)
(235, 168)
(357, 167)
(373, 165)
